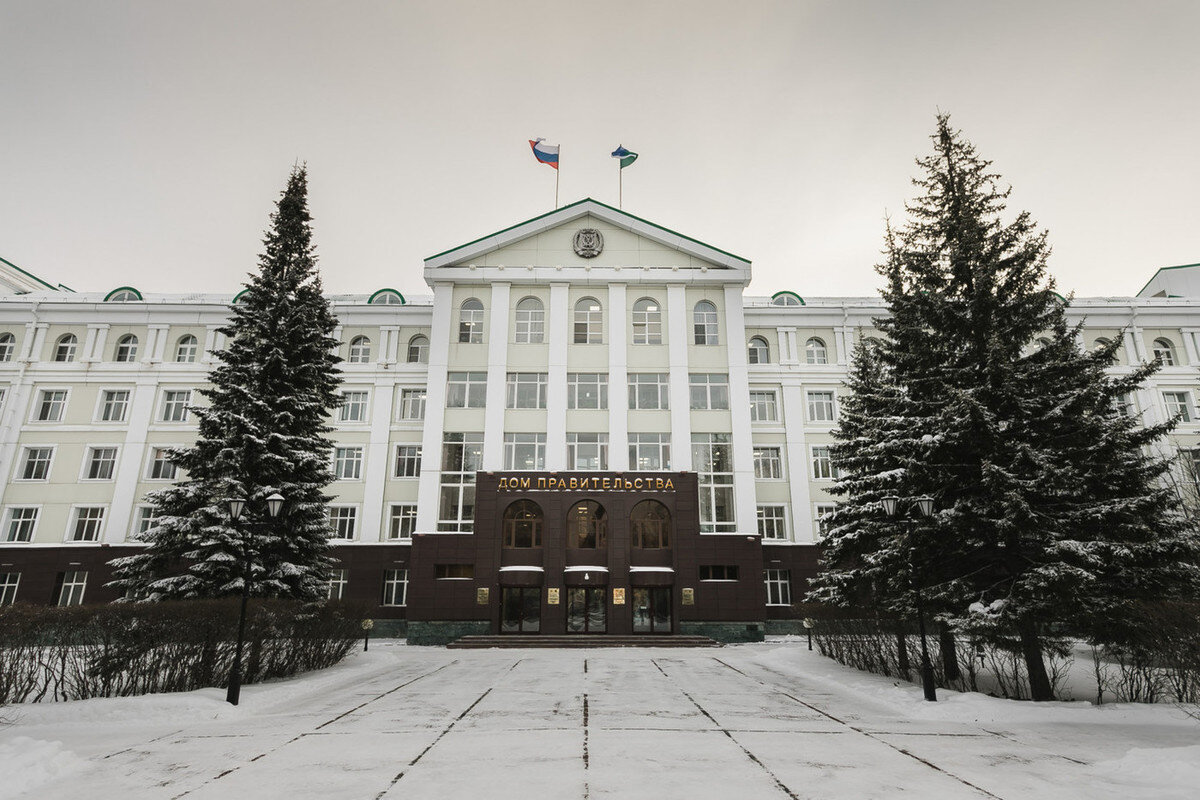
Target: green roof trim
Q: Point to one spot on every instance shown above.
(27, 273)
(371, 299)
(1162, 269)
(1061, 299)
(602, 205)
(109, 296)
(238, 296)
(791, 293)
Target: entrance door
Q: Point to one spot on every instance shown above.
(520, 609)
(652, 609)
(586, 610)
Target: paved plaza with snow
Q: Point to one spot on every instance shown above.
(747, 721)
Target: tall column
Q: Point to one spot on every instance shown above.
(1189, 345)
(618, 377)
(739, 411)
(558, 333)
(35, 338)
(843, 342)
(677, 358)
(377, 455)
(787, 352)
(156, 343)
(497, 374)
(435, 409)
(797, 461)
(389, 343)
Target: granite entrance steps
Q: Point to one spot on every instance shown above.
(578, 640)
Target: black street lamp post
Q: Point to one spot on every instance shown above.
(891, 506)
(236, 506)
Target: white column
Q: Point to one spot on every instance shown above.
(435, 410)
(677, 344)
(389, 343)
(379, 461)
(141, 409)
(1139, 343)
(101, 342)
(157, 345)
(35, 339)
(558, 333)
(739, 411)
(210, 344)
(497, 375)
(843, 339)
(797, 463)
(618, 377)
(1189, 345)
(787, 353)
(15, 412)
(89, 344)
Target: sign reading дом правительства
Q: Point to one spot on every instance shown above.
(554, 483)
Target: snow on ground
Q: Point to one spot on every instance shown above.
(748, 721)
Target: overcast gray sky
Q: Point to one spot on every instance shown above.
(144, 143)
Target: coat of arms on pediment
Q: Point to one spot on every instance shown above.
(588, 243)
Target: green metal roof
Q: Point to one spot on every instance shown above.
(28, 273)
(1163, 269)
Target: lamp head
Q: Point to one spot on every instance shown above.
(891, 504)
(274, 504)
(925, 505)
(236, 506)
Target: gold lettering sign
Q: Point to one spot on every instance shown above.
(689, 597)
(583, 483)
(618, 597)
(552, 597)
(481, 596)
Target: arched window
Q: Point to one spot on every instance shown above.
(418, 350)
(8, 344)
(126, 349)
(186, 349)
(786, 298)
(1164, 351)
(1099, 344)
(65, 349)
(124, 294)
(760, 351)
(386, 297)
(531, 321)
(470, 322)
(360, 350)
(523, 524)
(704, 322)
(1043, 342)
(589, 321)
(815, 352)
(587, 525)
(650, 525)
(647, 322)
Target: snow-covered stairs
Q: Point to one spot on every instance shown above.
(579, 640)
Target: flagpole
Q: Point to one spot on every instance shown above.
(557, 171)
(620, 185)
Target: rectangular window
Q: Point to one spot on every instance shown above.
(342, 521)
(35, 466)
(1124, 405)
(587, 451)
(175, 405)
(354, 407)
(8, 587)
(395, 587)
(820, 524)
(87, 524)
(525, 451)
(412, 404)
(712, 458)
(347, 463)
(114, 405)
(822, 464)
(408, 461)
(820, 406)
(451, 572)
(1179, 404)
(462, 456)
(768, 463)
(466, 389)
(587, 390)
(20, 524)
(772, 523)
(51, 405)
(71, 586)
(709, 391)
(647, 322)
(648, 390)
(531, 321)
(161, 468)
(650, 451)
(338, 579)
(763, 407)
(718, 572)
(145, 518)
(526, 390)
(402, 521)
(101, 463)
(779, 586)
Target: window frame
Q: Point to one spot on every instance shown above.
(90, 452)
(713, 388)
(587, 324)
(781, 579)
(342, 462)
(72, 347)
(760, 354)
(573, 451)
(827, 459)
(818, 402)
(40, 403)
(518, 386)
(342, 522)
(601, 388)
(816, 355)
(529, 324)
(406, 456)
(8, 522)
(705, 324)
(768, 463)
(1184, 407)
(764, 405)
(358, 350)
(471, 321)
(647, 322)
(152, 461)
(168, 401)
(75, 521)
(661, 381)
(397, 515)
(102, 402)
(778, 521)
(413, 399)
(395, 588)
(24, 461)
(512, 447)
(125, 351)
(192, 343)
(663, 445)
(345, 406)
(421, 351)
(474, 391)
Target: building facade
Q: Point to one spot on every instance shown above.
(587, 427)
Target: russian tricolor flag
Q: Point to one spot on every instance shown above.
(545, 153)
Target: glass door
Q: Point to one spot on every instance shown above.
(586, 610)
(652, 609)
(520, 609)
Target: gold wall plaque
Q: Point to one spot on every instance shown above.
(552, 597)
(689, 597)
(481, 596)
(618, 597)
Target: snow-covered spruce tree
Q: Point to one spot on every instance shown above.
(263, 431)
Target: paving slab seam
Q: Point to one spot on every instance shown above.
(587, 789)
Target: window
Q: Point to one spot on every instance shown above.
(820, 406)
(354, 407)
(462, 455)
(470, 322)
(647, 322)
(8, 587)
(453, 572)
(338, 578)
(704, 323)
(763, 407)
(418, 350)
(85, 527)
(525, 451)
(175, 405)
(1123, 404)
(587, 451)
(650, 526)
(779, 586)
(71, 586)
(1179, 404)
(145, 518)
(347, 463)
(127, 347)
(395, 587)
(51, 404)
(65, 349)
(186, 349)
(20, 524)
(1099, 344)
(466, 389)
(589, 322)
(815, 352)
(1164, 351)
(768, 464)
(785, 298)
(822, 464)
(402, 521)
(587, 390)
(342, 520)
(531, 321)
(759, 352)
(650, 451)
(709, 391)
(412, 404)
(101, 463)
(8, 345)
(35, 466)
(125, 294)
(820, 524)
(718, 572)
(587, 525)
(386, 297)
(648, 390)
(408, 461)
(161, 468)
(360, 350)
(772, 523)
(114, 403)
(526, 390)
(523, 524)
(712, 458)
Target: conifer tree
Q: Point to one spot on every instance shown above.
(263, 431)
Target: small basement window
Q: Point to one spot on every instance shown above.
(444, 572)
(718, 572)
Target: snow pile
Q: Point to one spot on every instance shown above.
(1172, 772)
(28, 763)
